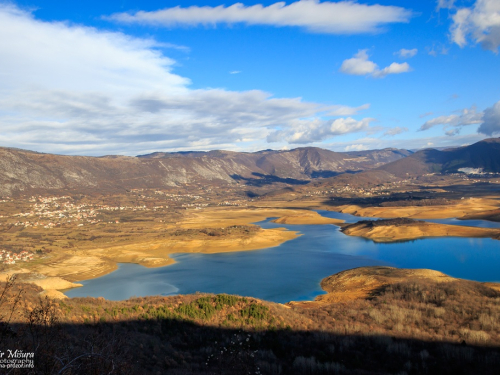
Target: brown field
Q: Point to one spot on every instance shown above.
(95, 251)
(72, 253)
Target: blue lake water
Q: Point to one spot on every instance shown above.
(293, 270)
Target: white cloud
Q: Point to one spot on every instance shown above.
(407, 53)
(56, 55)
(360, 65)
(395, 131)
(437, 49)
(445, 4)
(491, 120)
(426, 114)
(308, 131)
(343, 110)
(73, 89)
(466, 117)
(355, 147)
(452, 132)
(480, 23)
(394, 68)
(343, 17)
(235, 72)
(410, 143)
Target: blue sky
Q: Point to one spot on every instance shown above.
(129, 77)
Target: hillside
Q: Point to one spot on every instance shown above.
(300, 163)
(404, 229)
(483, 155)
(30, 172)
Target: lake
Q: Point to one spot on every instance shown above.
(293, 270)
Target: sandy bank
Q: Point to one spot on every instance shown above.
(364, 282)
(307, 218)
(155, 253)
(78, 267)
(379, 231)
(476, 207)
(98, 262)
(84, 264)
(51, 285)
(225, 216)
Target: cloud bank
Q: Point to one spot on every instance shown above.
(77, 90)
(479, 23)
(308, 131)
(489, 121)
(360, 65)
(343, 17)
(395, 131)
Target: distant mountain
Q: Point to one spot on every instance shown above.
(300, 163)
(484, 155)
(26, 172)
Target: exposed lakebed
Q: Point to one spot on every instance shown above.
(293, 270)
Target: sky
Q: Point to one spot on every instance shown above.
(126, 77)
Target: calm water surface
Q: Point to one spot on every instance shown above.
(293, 270)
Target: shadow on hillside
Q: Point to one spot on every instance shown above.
(160, 346)
(327, 174)
(263, 179)
(400, 199)
(479, 189)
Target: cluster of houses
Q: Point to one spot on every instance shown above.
(56, 211)
(368, 191)
(232, 203)
(8, 257)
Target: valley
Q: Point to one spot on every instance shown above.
(79, 229)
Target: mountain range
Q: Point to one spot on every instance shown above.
(483, 156)
(27, 172)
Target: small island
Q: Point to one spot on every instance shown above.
(404, 229)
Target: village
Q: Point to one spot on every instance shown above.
(65, 211)
(9, 257)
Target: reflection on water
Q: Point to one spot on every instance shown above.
(293, 270)
(468, 223)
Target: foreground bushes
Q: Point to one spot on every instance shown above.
(417, 327)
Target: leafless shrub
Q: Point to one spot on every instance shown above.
(488, 322)
(9, 302)
(377, 315)
(474, 336)
(436, 312)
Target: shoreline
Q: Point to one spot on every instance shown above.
(67, 269)
(365, 282)
(266, 238)
(394, 230)
(54, 282)
(311, 218)
(472, 207)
